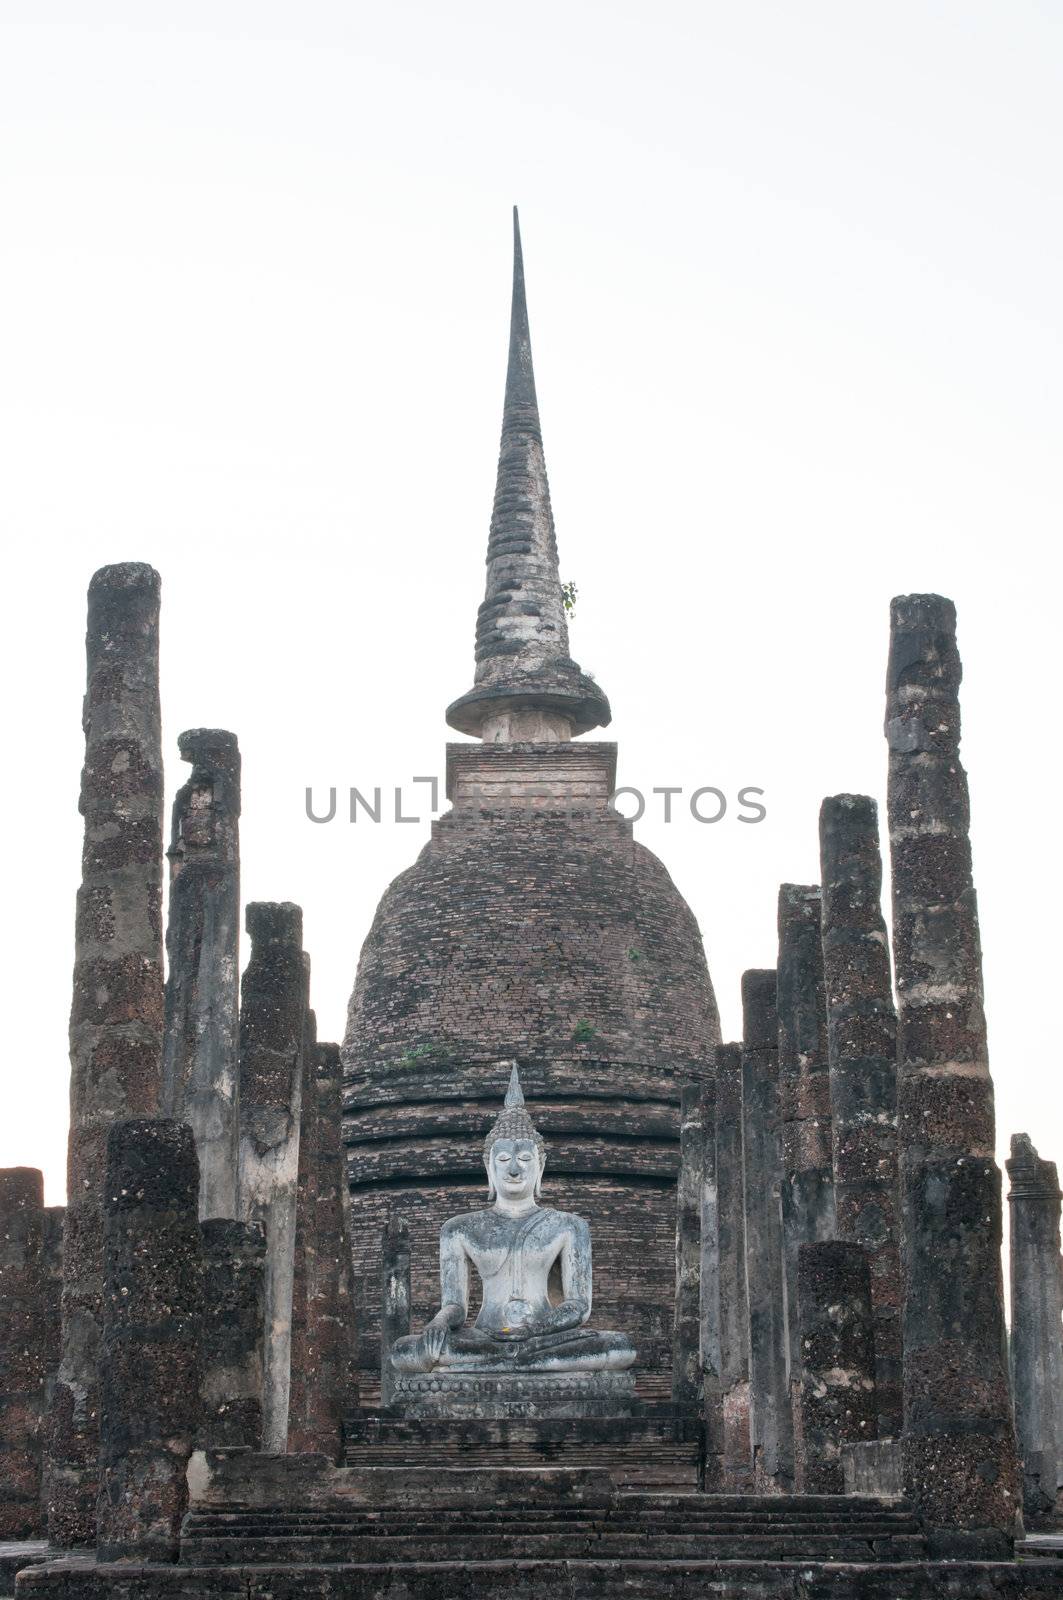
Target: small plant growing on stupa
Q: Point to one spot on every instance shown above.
(422, 1054)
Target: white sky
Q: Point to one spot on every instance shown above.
(794, 278)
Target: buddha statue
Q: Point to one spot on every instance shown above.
(513, 1245)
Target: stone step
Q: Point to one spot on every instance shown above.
(561, 1547)
(635, 1470)
(643, 1579)
(645, 1424)
(679, 1506)
(614, 1461)
(657, 1537)
(434, 1439)
(594, 1517)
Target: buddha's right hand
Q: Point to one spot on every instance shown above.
(434, 1337)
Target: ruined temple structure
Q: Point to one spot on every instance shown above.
(532, 1285)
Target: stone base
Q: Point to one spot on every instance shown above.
(532, 1394)
(629, 1579)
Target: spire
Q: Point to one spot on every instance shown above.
(526, 685)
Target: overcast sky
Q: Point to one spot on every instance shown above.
(794, 280)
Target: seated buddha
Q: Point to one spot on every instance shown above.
(513, 1245)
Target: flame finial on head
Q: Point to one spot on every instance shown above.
(513, 1121)
(514, 1092)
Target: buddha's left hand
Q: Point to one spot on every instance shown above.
(569, 1314)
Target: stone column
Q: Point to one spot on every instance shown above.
(394, 1297)
(272, 1025)
(52, 1276)
(152, 1321)
(317, 1423)
(804, 1095)
(960, 1459)
(304, 1353)
(862, 1050)
(29, 1348)
(734, 1308)
(711, 1312)
(771, 1425)
(1036, 1328)
(234, 1263)
(836, 1401)
(116, 1017)
(336, 1317)
(686, 1329)
(199, 1077)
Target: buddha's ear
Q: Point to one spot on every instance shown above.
(539, 1169)
(490, 1177)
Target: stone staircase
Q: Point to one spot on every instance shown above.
(667, 1528)
(655, 1449)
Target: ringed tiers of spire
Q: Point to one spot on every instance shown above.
(526, 686)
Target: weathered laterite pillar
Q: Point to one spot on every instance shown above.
(272, 1026)
(394, 1296)
(318, 1423)
(304, 1351)
(1036, 1328)
(29, 1347)
(336, 1323)
(711, 1312)
(116, 1018)
(234, 1262)
(686, 1330)
(150, 1351)
(960, 1459)
(804, 1096)
(771, 1426)
(862, 1049)
(734, 1308)
(202, 946)
(836, 1402)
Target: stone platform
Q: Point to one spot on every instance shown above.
(632, 1578)
(282, 1527)
(655, 1448)
(510, 1395)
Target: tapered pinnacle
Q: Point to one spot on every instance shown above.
(522, 660)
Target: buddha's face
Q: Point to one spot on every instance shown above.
(514, 1169)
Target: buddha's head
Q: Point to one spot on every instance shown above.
(514, 1150)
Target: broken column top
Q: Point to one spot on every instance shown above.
(21, 1186)
(151, 1162)
(1029, 1174)
(218, 751)
(123, 607)
(526, 685)
(125, 577)
(849, 855)
(759, 1019)
(924, 671)
(274, 922)
(799, 977)
(856, 811)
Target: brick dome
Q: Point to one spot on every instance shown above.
(532, 938)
